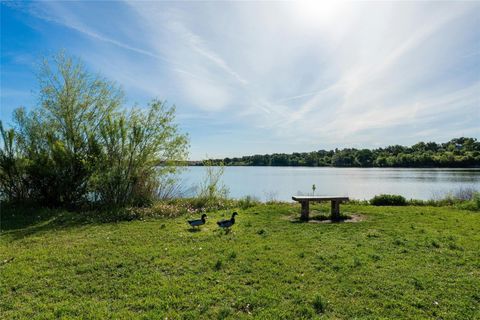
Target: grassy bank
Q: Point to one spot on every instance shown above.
(398, 262)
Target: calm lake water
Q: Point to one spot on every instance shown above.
(280, 183)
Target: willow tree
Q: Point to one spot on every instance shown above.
(80, 145)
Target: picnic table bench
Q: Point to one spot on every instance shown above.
(305, 202)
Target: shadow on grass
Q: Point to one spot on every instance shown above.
(323, 219)
(18, 222)
(223, 231)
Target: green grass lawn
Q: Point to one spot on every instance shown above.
(399, 262)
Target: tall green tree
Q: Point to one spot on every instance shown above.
(79, 145)
(57, 137)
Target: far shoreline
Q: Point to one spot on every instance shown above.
(199, 164)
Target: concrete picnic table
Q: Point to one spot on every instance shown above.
(305, 202)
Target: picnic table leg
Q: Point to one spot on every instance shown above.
(335, 210)
(305, 210)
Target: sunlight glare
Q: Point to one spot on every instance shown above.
(311, 13)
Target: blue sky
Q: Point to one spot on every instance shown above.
(264, 77)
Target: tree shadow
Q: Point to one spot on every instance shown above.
(20, 222)
(222, 231)
(322, 219)
(298, 220)
(21, 217)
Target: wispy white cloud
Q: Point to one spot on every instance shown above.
(363, 97)
(208, 82)
(59, 14)
(198, 45)
(309, 74)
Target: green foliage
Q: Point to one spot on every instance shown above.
(458, 152)
(247, 202)
(59, 136)
(13, 184)
(212, 190)
(176, 207)
(463, 198)
(472, 204)
(388, 200)
(58, 266)
(79, 146)
(136, 149)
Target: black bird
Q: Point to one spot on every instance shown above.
(227, 223)
(198, 222)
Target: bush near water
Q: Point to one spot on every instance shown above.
(388, 200)
(80, 146)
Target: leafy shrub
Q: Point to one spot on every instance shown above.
(13, 183)
(417, 202)
(248, 202)
(132, 146)
(388, 200)
(212, 192)
(80, 146)
(472, 204)
(462, 198)
(212, 186)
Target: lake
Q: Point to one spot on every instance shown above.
(280, 183)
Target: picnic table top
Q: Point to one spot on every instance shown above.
(318, 198)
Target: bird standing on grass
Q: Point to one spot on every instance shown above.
(198, 222)
(226, 224)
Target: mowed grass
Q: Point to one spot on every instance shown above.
(400, 262)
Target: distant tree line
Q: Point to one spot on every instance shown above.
(458, 152)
